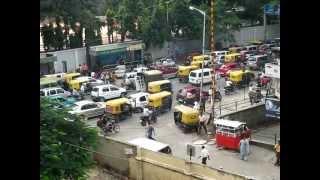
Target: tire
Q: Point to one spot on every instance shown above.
(122, 95)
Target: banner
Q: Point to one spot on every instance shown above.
(272, 108)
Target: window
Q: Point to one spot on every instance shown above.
(91, 106)
(192, 74)
(52, 92)
(114, 89)
(143, 98)
(95, 89)
(42, 93)
(64, 66)
(60, 91)
(84, 107)
(105, 90)
(205, 73)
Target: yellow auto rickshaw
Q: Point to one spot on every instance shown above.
(152, 75)
(199, 60)
(241, 77)
(70, 76)
(234, 57)
(184, 71)
(158, 86)
(186, 117)
(76, 84)
(118, 109)
(160, 102)
(235, 49)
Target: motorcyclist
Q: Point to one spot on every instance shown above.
(229, 86)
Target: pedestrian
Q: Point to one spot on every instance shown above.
(150, 132)
(82, 88)
(204, 155)
(196, 106)
(93, 74)
(243, 149)
(277, 151)
(247, 141)
(202, 123)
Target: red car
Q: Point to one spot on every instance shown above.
(224, 69)
(167, 71)
(195, 91)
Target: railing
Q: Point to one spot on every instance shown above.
(232, 107)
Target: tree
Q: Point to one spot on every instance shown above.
(110, 14)
(60, 140)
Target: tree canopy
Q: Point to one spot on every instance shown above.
(60, 139)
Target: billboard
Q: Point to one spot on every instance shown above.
(272, 106)
(270, 9)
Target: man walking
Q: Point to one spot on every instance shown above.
(243, 149)
(150, 132)
(202, 123)
(277, 150)
(204, 155)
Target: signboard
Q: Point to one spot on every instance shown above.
(272, 70)
(272, 108)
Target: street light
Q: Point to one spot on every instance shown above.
(167, 2)
(203, 42)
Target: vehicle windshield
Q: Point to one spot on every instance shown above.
(95, 89)
(192, 74)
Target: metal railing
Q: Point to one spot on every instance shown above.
(233, 106)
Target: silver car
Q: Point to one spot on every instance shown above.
(88, 109)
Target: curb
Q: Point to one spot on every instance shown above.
(262, 144)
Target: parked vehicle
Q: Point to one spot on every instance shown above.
(226, 68)
(182, 95)
(230, 132)
(186, 117)
(258, 62)
(107, 91)
(158, 86)
(54, 91)
(161, 102)
(63, 102)
(184, 71)
(241, 77)
(195, 76)
(151, 145)
(47, 82)
(234, 57)
(138, 101)
(88, 109)
(118, 109)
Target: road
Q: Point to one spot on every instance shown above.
(259, 164)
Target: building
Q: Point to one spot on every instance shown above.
(129, 52)
(47, 63)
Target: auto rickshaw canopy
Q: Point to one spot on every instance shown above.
(183, 68)
(152, 72)
(189, 116)
(155, 99)
(156, 83)
(228, 123)
(117, 102)
(70, 76)
(186, 109)
(237, 75)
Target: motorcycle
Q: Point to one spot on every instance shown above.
(111, 127)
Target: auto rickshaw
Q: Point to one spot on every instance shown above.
(235, 49)
(152, 75)
(70, 76)
(199, 60)
(118, 109)
(160, 102)
(184, 71)
(241, 77)
(46, 82)
(158, 86)
(76, 84)
(229, 133)
(186, 117)
(234, 57)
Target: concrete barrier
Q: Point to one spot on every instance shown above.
(263, 144)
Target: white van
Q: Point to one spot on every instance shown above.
(107, 91)
(220, 53)
(195, 76)
(151, 145)
(138, 101)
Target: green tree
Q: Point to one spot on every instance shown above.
(60, 140)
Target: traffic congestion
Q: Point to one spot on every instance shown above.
(144, 92)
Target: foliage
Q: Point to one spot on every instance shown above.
(59, 160)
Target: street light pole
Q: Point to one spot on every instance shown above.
(203, 44)
(169, 31)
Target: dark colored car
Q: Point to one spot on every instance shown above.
(195, 91)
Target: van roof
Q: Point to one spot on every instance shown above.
(148, 144)
(152, 72)
(159, 95)
(200, 70)
(154, 83)
(228, 123)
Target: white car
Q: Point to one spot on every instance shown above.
(107, 91)
(166, 62)
(90, 80)
(54, 91)
(138, 101)
(88, 108)
(140, 69)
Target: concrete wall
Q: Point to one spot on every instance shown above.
(253, 116)
(149, 165)
(73, 57)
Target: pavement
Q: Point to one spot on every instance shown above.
(267, 134)
(259, 164)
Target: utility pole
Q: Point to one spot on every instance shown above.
(212, 21)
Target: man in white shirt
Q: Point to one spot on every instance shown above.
(204, 155)
(202, 123)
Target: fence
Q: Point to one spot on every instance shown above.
(138, 163)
